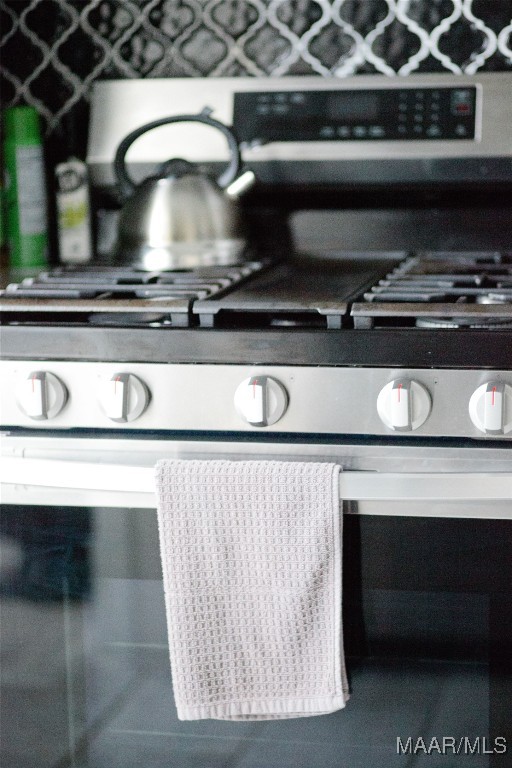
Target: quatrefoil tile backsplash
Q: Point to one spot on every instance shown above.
(51, 51)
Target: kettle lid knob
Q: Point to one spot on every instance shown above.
(175, 168)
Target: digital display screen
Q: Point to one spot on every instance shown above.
(353, 106)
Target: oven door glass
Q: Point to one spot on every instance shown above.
(86, 679)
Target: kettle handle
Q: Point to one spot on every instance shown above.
(127, 186)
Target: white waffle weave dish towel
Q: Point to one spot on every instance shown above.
(251, 556)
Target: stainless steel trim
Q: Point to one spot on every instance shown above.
(359, 456)
(113, 483)
(355, 486)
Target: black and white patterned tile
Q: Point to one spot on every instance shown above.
(68, 44)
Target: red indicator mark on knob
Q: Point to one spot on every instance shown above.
(399, 391)
(493, 391)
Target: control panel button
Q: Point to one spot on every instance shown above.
(42, 395)
(461, 102)
(261, 400)
(404, 405)
(124, 397)
(490, 408)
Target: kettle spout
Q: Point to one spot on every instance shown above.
(240, 185)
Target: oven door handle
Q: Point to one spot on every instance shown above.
(354, 485)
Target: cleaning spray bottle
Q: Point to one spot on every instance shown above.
(25, 189)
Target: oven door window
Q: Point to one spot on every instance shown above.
(85, 671)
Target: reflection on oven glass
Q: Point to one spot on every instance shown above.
(86, 679)
(49, 553)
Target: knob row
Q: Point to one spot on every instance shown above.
(403, 405)
(124, 397)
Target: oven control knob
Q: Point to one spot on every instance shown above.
(42, 395)
(490, 408)
(404, 405)
(125, 397)
(261, 400)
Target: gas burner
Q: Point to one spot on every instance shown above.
(460, 322)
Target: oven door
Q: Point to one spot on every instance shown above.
(427, 570)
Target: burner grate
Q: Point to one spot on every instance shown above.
(452, 290)
(117, 296)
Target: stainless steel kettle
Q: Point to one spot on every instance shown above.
(180, 217)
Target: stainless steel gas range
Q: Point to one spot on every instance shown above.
(369, 322)
(344, 346)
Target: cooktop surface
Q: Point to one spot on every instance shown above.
(393, 308)
(421, 290)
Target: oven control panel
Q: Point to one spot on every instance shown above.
(309, 130)
(356, 115)
(239, 398)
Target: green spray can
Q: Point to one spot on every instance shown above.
(25, 189)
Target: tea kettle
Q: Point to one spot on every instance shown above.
(180, 217)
